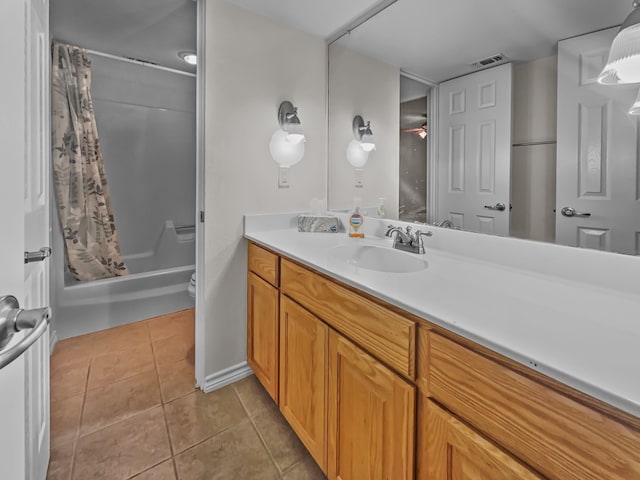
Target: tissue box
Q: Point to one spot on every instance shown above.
(318, 223)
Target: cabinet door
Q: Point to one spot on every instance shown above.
(371, 417)
(304, 344)
(262, 332)
(454, 451)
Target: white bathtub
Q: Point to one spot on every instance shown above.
(84, 307)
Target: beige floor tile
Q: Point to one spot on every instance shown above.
(306, 469)
(164, 471)
(253, 395)
(236, 453)
(121, 338)
(174, 349)
(176, 379)
(72, 351)
(60, 460)
(198, 416)
(124, 449)
(175, 324)
(112, 403)
(65, 418)
(282, 442)
(118, 365)
(68, 382)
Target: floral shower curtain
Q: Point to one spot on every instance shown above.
(84, 204)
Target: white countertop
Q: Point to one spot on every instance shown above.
(581, 334)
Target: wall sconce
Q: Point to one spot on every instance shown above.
(359, 149)
(623, 65)
(287, 143)
(362, 132)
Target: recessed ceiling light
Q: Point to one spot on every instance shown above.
(189, 57)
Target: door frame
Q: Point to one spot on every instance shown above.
(200, 358)
(432, 147)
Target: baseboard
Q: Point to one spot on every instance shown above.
(53, 340)
(225, 377)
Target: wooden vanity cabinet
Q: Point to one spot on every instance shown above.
(371, 416)
(263, 308)
(304, 345)
(346, 369)
(454, 451)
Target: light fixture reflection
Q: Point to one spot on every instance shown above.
(362, 132)
(190, 57)
(635, 109)
(623, 65)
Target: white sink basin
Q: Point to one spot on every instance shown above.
(380, 259)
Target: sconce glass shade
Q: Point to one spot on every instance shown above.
(284, 151)
(356, 155)
(294, 134)
(623, 65)
(368, 143)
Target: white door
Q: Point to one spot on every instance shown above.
(475, 151)
(598, 157)
(24, 212)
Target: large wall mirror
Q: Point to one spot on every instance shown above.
(487, 116)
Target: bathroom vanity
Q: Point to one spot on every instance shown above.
(377, 387)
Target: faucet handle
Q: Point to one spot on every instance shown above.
(423, 234)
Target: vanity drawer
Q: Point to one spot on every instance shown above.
(560, 437)
(383, 333)
(264, 263)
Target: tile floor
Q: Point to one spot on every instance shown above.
(123, 405)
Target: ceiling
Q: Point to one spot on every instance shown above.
(322, 18)
(437, 40)
(152, 30)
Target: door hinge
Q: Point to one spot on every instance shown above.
(201, 216)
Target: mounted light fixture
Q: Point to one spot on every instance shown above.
(623, 65)
(287, 143)
(289, 122)
(359, 149)
(362, 132)
(190, 57)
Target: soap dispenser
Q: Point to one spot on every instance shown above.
(355, 221)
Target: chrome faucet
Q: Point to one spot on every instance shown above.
(407, 240)
(446, 224)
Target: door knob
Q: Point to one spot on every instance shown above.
(501, 207)
(14, 319)
(571, 212)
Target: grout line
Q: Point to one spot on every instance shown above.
(84, 401)
(259, 433)
(136, 475)
(162, 403)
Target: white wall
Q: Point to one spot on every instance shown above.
(360, 85)
(533, 167)
(252, 65)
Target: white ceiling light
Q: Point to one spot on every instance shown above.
(189, 57)
(624, 58)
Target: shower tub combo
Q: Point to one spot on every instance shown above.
(157, 284)
(146, 125)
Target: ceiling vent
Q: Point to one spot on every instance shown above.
(490, 61)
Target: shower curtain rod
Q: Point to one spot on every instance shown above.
(140, 62)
